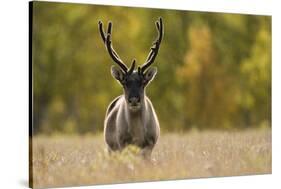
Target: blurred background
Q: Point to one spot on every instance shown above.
(214, 69)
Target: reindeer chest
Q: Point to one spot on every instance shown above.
(136, 130)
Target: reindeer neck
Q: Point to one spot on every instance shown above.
(136, 120)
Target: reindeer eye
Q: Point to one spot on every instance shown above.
(144, 82)
(123, 82)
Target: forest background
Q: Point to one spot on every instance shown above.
(214, 69)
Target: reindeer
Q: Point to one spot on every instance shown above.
(130, 118)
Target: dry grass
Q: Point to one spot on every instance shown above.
(78, 160)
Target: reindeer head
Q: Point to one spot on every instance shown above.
(133, 80)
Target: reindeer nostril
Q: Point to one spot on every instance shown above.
(134, 100)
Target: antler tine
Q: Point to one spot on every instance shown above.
(132, 66)
(101, 31)
(107, 41)
(109, 29)
(160, 29)
(155, 46)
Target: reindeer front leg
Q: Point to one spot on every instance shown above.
(147, 147)
(146, 152)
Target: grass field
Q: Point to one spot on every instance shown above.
(81, 160)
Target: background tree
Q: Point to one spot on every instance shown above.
(214, 69)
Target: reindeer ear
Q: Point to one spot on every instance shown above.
(117, 73)
(149, 74)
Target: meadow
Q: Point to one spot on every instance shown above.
(82, 160)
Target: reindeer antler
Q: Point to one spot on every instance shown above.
(108, 43)
(155, 46)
